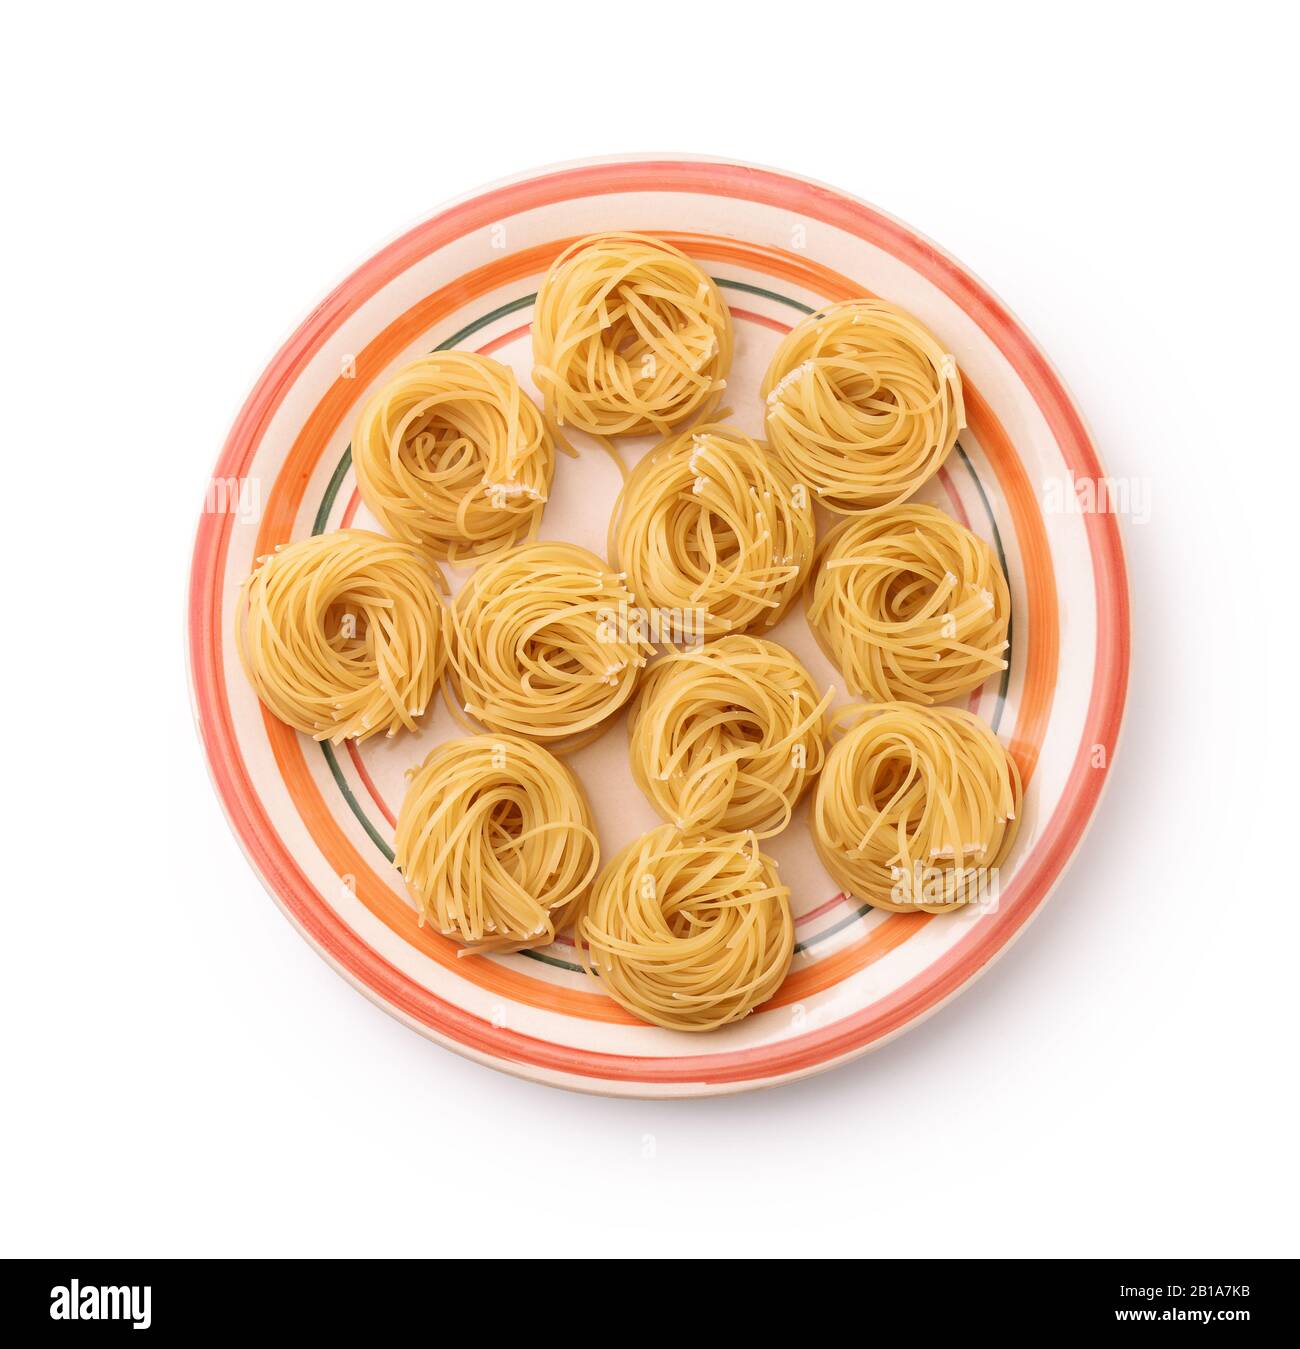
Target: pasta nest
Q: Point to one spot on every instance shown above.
(451, 454)
(629, 337)
(343, 635)
(539, 647)
(688, 933)
(863, 404)
(916, 808)
(910, 605)
(728, 737)
(712, 527)
(496, 843)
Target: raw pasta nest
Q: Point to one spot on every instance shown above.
(450, 454)
(916, 807)
(538, 647)
(728, 737)
(688, 933)
(629, 337)
(910, 605)
(711, 527)
(863, 404)
(495, 842)
(343, 635)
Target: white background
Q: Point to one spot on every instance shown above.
(183, 1075)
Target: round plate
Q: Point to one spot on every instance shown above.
(317, 823)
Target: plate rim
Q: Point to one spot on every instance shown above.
(1107, 698)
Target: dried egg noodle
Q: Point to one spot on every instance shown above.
(688, 933)
(343, 635)
(495, 842)
(451, 454)
(709, 525)
(729, 736)
(863, 404)
(537, 646)
(910, 605)
(629, 337)
(915, 807)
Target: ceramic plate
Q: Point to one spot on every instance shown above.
(317, 823)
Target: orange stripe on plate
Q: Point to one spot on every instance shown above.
(1041, 635)
(879, 942)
